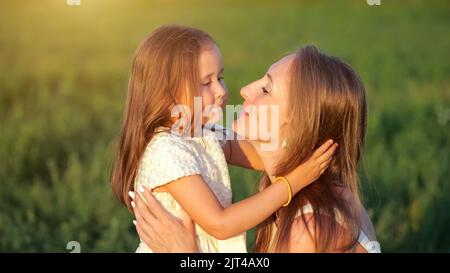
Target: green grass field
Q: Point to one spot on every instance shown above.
(63, 77)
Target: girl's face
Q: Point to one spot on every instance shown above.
(271, 90)
(212, 85)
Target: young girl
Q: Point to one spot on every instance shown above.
(171, 67)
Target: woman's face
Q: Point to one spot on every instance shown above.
(270, 92)
(212, 85)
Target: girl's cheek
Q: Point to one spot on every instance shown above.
(207, 97)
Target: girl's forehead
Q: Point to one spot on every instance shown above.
(211, 47)
(210, 61)
(210, 53)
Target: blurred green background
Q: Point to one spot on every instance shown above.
(63, 78)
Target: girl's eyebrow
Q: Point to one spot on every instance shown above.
(210, 74)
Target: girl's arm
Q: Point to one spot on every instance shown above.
(200, 203)
(241, 153)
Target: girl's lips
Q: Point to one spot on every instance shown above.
(219, 104)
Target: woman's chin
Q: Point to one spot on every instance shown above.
(241, 129)
(238, 129)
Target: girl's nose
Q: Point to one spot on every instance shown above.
(221, 93)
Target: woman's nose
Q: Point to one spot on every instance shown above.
(245, 93)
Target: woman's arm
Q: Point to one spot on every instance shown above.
(160, 229)
(200, 203)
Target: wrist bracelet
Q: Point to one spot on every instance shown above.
(288, 187)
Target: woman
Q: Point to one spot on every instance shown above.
(320, 98)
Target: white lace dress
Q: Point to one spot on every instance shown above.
(169, 157)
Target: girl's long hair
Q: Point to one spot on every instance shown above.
(164, 73)
(326, 101)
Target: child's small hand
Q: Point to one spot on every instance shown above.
(311, 169)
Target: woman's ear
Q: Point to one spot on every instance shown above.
(284, 130)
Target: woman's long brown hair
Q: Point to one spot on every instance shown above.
(164, 73)
(326, 101)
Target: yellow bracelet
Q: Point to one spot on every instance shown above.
(288, 187)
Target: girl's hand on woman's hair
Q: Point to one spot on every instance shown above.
(313, 168)
(160, 230)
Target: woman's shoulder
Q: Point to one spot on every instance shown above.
(304, 230)
(303, 234)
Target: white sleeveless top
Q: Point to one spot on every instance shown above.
(169, 157)
(363, 239)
